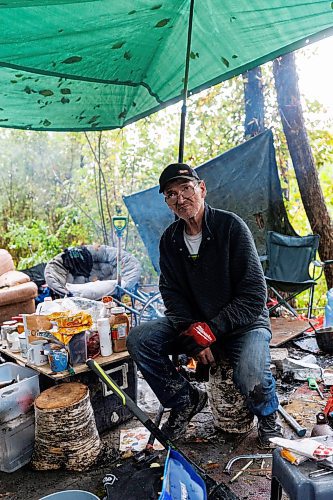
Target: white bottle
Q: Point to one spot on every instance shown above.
(103, 328)
(45, 307)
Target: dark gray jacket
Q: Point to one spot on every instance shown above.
(224, 286)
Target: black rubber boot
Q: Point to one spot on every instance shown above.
(176, 425)
(268, 427)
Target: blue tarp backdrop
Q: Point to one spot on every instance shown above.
(244, 180)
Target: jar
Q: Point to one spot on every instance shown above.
(20, 327)
(119, 328)
(126, 299)
(108, 303)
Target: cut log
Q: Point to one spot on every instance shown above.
(66, 433)
(228, 406)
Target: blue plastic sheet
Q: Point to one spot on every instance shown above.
(181, 479)
(243, 180)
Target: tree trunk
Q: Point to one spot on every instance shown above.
(254, 103)
(66, 433)
(290, 108)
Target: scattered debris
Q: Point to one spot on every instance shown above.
(327, 376)
(304, 368)
(255, 456)
(278, 355)
(243, 469)
(211, 465)
(136, 439)
(300, 431)
(308, 343)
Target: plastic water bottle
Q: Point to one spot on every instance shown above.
(329, 309)
(103, 328)
(45, 307)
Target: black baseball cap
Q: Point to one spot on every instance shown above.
(176, 171)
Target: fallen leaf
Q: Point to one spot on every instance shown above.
(212, 465)
(72, 60)
(162, 23)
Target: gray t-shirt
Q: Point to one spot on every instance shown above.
(193, 243)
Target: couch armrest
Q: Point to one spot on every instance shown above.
(18, 293)
(12, 278)
(6, 261)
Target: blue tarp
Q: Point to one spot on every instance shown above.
(243, 180)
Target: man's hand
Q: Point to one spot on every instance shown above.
(196, 341)
(201, 334)
(206, 357)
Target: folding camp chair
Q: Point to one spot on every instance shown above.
(287, 267)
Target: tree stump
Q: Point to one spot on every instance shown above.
(66, 433)
(228, 406)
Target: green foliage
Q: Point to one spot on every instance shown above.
(34, 243)
(62, 189)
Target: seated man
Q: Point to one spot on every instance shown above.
(215, 296)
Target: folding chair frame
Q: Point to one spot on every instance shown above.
(311, 242)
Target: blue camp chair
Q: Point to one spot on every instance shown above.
(287, 267)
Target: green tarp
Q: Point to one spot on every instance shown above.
(101, 64)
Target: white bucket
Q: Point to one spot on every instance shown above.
(71, 495)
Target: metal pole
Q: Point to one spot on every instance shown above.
(119, 260)
(187, 68)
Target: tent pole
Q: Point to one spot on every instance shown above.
(186, 75)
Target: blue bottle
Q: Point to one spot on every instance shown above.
(329, 309)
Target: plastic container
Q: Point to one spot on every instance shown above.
(71, 495)
(48, 307)
(103, 327)
(324, 338)
(93, 344)
(78, 349)
(119, 328)
(329, 309)
(17, 399)
(58, 359)
(17, 439)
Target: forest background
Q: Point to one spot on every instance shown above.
(62, 189)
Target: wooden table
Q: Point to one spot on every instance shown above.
(46, 369)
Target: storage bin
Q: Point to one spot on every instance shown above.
(18, 398)
(17, 439)
(108, 409)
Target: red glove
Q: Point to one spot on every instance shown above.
(201, 334)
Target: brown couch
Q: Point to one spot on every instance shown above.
(17, 292)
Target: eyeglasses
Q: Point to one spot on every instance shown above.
(186, 192)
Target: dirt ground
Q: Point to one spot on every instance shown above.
(207, 447)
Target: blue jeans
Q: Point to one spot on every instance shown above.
(151, 343)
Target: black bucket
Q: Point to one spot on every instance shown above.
(324, 337)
